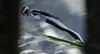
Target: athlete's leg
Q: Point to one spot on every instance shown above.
(62, 27)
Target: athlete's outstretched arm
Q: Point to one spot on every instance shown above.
(45, 14)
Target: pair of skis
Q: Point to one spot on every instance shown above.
(54, 39)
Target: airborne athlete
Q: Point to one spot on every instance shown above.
(50, 19)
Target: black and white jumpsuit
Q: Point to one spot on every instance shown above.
(51, 19)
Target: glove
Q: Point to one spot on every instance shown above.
(56, 17)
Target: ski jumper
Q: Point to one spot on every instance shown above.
(51, 19)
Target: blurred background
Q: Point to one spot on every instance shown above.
(72, 14)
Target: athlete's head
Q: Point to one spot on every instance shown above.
(25, 11)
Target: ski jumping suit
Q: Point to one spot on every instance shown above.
(51, 19)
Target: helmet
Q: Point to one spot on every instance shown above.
(24, 10)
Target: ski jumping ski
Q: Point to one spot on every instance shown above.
(59, 40)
